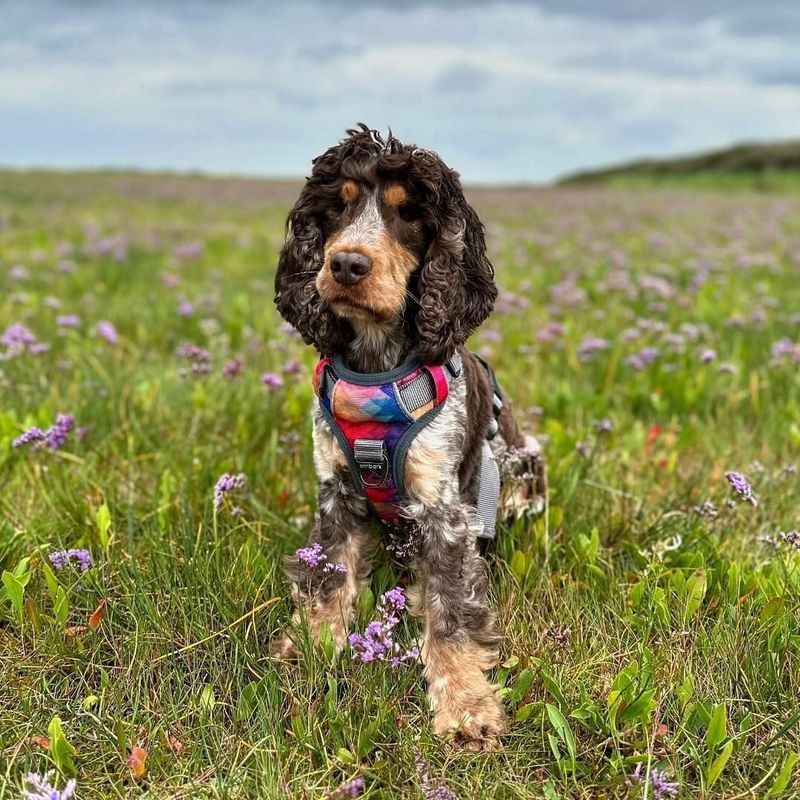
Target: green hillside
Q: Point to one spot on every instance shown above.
(757, 165)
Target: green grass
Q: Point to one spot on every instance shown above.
(633, 623)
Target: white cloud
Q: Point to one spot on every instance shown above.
(504, 91)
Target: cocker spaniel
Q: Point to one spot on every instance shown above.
(384, 271)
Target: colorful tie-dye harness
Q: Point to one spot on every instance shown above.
(376, 417)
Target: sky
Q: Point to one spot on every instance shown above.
(505, 92)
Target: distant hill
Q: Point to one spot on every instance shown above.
(755, 164)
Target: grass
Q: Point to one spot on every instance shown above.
(637, 628)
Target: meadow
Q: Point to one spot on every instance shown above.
(652, 647)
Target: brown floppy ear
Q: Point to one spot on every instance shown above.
(296, 295)
(456, 284)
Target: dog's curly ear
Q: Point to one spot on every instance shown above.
(456, 285)
(296, 295)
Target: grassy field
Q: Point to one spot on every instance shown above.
(651, 616)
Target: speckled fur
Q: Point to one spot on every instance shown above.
(456, 292)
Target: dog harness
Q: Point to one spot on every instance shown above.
(376, 417)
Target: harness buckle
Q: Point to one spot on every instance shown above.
(373, 461)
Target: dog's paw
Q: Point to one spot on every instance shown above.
(526, 491)
(282, 648)
(474, 724)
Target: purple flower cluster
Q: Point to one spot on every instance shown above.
(352, 788)
(313, 559)
(232, 368)
(785, 350)
(790, 538)
(40, 787)
(188, 251)
(18, 338)
(429, 789)
(742, 487)
(53, 438)
(272, 380)
(591, 345)
(226, 484)
(661, 787)
(106, 330)
(643, 358)
(63, 558)
(68, 321)
(199, 358)
(377, 642)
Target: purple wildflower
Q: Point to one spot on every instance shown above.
(232, 368)
(18, 273)
(68, 321)
(314, 561)
(643, 358)
(591, 345)
(662, 788)
(226, 484)
(54, 437)
(63, 558)
(429, 789)
(312, 555)
(271, 380)
(31, 435)
(106, 330)
(185, 309)
(550, 332)
(40, 787)
(707, 355)
(604, 425)
(377, 642)
(785, 350)
(17, 338)
(188, 251)
(292, 367)
(352, 788)
(199, 357)
(742, 487)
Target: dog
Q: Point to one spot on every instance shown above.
(384, 271)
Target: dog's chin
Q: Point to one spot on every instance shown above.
(355, 309)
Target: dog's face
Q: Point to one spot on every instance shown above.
(376, 241)
(382, 231)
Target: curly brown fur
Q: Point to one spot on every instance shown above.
(384, 257)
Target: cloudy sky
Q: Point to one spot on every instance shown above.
(511, 91)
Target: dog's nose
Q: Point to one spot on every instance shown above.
(349, 267)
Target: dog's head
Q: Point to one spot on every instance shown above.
(381, 230)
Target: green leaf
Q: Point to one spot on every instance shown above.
(519, 565)
(717, 728)
(561, 727)
(521, 685)
(641, 708)
(60, 749)
(51, 580)
(61, 607)
(102, 517)
(345, 756)
(247, 701)
(15, 591)
(715, 770)
(784, 776)
(696, 586)
(207, 700)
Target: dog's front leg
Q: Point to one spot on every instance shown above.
(461, 635)
(326, 592)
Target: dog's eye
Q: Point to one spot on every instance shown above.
(409, 212)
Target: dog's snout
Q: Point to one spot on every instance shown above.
(349, 267)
